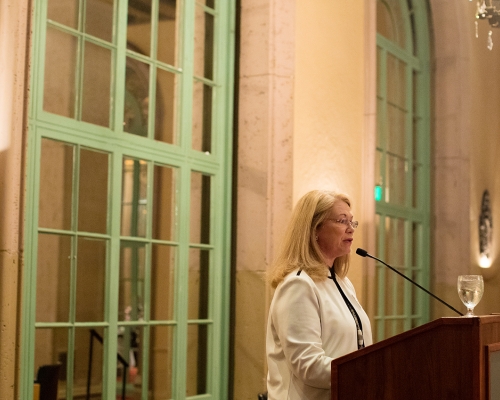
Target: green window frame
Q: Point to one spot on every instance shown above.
(402, 166)
(127, 235)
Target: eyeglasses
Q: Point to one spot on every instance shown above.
(346, 222)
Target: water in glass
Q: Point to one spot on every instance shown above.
(470, 290)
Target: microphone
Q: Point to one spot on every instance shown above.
(364, 253)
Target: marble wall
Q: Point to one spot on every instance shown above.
(465, 149)
(264, 174)
(14, 28)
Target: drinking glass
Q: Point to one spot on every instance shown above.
(470, 290)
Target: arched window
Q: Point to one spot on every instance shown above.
(402, 165)
(128, 198)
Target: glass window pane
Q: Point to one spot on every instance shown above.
(381, 124)
(380, 334)
(56, 183)
(398, 294)
(163, 263)
(93, 191)
(415, 139)
(417, 123)
(395, 242)
(208, 3)
(378, 281)
(199, 279)
(132, 268)
(415, 294)
(388, 326)
(390, 21)
(96, 85)
(161, 356)
(202, 117)
(99, 19)
(385, 25)
(200, 208)
(88, 361)
(197, 354)
(139, 26)
(416, 239)
(51, 354)
(417, 172)
(396, 141)
(131, 353)
(394, 296)
(168, 32)
(165, 106)
(60, 65)
(63, 12)
(379, 177)
(165, 209)
(413, 27)
(134, 198)
(203, 43)
(396, 176)
(90, 279)
(136, 98)
(396, 82)
(53, 278)
(380, 58)
(396, 326)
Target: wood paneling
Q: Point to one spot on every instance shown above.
(444, 359)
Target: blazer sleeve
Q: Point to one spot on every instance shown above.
(296, 317)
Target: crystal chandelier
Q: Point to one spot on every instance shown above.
(490, 13)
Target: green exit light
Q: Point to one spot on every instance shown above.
(378, 193)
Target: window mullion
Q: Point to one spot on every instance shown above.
(113, 271)
(30, 287)
(119, 71)
(80, 62)
(182, 289)
(409, 133)
(146, 343)
(381, 279)
(408, 268)
(187, 76)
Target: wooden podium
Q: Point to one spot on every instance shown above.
(449, 358)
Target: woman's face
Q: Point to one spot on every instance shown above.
(335, 238)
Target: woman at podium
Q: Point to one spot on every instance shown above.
(314, 316)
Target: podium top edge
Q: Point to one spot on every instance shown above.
(487, 318)
(471, 322)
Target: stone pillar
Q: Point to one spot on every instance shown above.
(264, 175)
(14, 29)
(451, 163)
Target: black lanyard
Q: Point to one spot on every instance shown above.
(357, 320)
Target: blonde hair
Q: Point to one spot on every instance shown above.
(299, 248)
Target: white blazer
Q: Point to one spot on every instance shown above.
(309, 325)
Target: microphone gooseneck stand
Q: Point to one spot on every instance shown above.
(364, 253)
